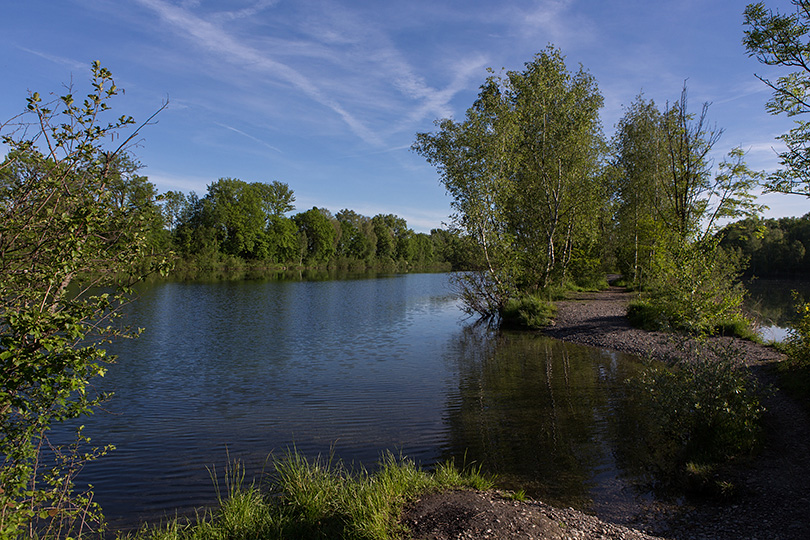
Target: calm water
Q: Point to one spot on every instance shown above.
(773, 303)
(241, 370)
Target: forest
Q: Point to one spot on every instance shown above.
(771, 247)
(238, 224)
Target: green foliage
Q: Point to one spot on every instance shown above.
(668, 206)
(777, 39)
(239, 225)
(643, 314)
(797, 343)
(321, 499)
(703, 412)
(317, 236)
(73, 217)
(795, 371)
(522, 169)
(527, 312)
(694, 288)
(772, 247)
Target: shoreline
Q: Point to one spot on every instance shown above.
(775, 491)
(774, 488)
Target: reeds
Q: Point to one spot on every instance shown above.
(319, 498)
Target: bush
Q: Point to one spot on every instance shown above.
(64, 233)
(643, 314)
(704, 412)
(695, 288)
(797, 343)
(527, 312)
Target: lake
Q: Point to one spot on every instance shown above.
(352, 368)
(772, 303)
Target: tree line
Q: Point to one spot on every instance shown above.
(771, 247)
(238, 223)
(541, 200)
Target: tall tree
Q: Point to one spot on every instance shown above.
(239, 216)
(777, 39)
(277, 197)
(639, 164)
(317, 235)
(522, 170)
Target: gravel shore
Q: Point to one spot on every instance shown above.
(774, 499)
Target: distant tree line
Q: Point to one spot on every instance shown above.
(772, 247)
(237, 224)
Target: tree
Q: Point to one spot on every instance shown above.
(522, 169)
(66, 227)
(317, 235)
(669, 203)
(239, 216)
(173, 204)
(282, 240)
(784, 40)
(640, 163)
(357, 239)
(277, 198)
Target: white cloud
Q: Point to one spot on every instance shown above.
(251, 137)
(61, 60)
(218, 41)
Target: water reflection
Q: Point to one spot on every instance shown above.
(549, 417)
(356, 368)
(773, 303)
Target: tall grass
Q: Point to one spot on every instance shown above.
(320, 498)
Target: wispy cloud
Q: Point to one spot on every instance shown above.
(61, 60)
(218, 41)
(362, 46)
(251, 137)
(553, 22)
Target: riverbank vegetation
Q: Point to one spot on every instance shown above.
(773, 248)
(70, 247)
(704, 416)
(310, 499)
(542, 201)
(550, 202)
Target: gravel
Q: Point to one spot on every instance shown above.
(774, 496)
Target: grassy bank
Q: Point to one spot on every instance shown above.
(311, 499)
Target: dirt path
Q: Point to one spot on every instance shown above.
(774, 502)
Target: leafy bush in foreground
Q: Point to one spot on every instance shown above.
(527, 312)
(705, 411)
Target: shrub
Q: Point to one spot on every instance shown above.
(704, 412)
(695, 288)
(65, 232)
(643, 314)
(797, 343)
(527, 312)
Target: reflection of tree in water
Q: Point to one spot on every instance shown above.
(772, 300)
(543, 415)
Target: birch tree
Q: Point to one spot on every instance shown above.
(522, 170)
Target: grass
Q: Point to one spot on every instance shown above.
(312, 499)
(527, 312)
(646, 315)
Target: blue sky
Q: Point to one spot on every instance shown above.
(328, 95)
